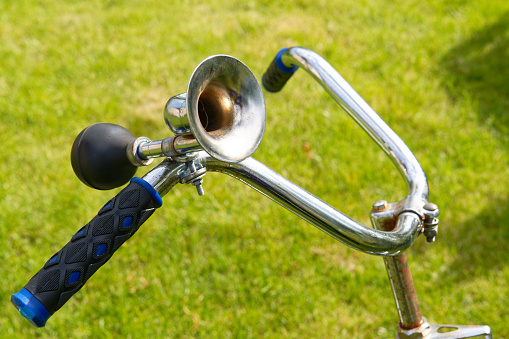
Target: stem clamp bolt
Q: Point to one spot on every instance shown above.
(199, 188)
(380, 205)
(193, 175)
(430, 224)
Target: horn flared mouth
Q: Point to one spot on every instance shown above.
(225, 108)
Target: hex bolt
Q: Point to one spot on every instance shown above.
(431, 211)
(431, 233)
(380, 205)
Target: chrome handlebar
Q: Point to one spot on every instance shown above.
(409, 212)
(366, 117)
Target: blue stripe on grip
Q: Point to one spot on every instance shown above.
(151, 190)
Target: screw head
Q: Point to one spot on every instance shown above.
(380, 205)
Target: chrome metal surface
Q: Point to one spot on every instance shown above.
(169, 173)
(430, 230)
(225, 108)
(151, 149)
(459, 331)
(197, 183)
(430, 224)
(164, 176)
(320, 214)
(435, 331)
(168, 147)
(385, 218)
(430, 210)
(364, 115)
(210, 112)
(183, 144)
(175, 115)
(189, 156)
(134, 156)
(192, 171)
(209, 119)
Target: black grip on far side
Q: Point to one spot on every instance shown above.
(93, 245)
(277, 74)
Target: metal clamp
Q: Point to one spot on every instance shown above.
(430, 224)
(193, 173)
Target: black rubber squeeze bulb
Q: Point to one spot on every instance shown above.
(99, 158)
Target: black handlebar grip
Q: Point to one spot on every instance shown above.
(278, 73)
(90, 248)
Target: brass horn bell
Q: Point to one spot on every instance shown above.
(222, 112)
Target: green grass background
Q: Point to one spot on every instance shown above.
(233, 264)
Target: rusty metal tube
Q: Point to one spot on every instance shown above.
(403, 289)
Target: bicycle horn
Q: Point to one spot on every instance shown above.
(222, 113)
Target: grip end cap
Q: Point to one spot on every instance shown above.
(282, 67)
(30, 308)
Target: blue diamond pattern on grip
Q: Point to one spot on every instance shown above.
(108, 207)
(73, 277)
(80, 234)
(128, 221)
(101, 249)
(54, 260)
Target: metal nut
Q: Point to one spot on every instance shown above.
(380, 205)
(430, 233)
